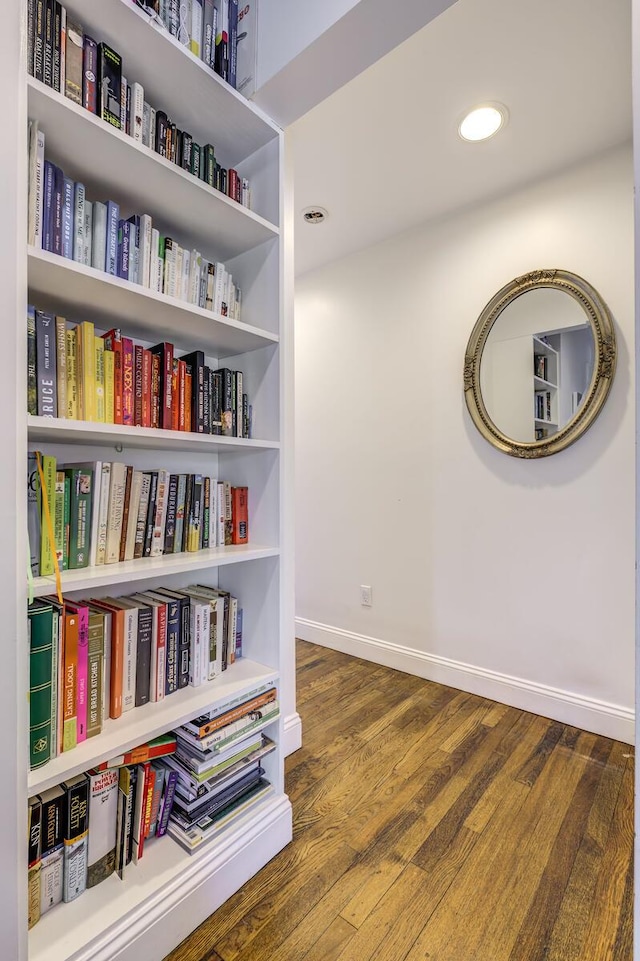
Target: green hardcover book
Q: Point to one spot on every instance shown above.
(40, 616)
(32, 388)
(46, 547)
(95, 656)
(195, 160)
(81, 491)
(58, 521)
(67, 507)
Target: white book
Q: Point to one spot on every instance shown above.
(130, 653)
(103, 808)
(218, 294)
(88, 232)
(78, 222)
(103, 513)
(152, 128)
(115, 513)
(179, 257)
(184, 22)
(186, 267)
(169, 280)
(144, 254)
(99, 242)
(137, 110)
(195, 267)
(146, 123)
(196, 27)
(162, 495)
(134, 507)
(36, 193)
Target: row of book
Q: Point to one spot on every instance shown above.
(76, 374)
(103, 512)
(542, 405)
(64, 56)
(63, 221)
(209, 28)
(541, 366)
(100, 658)
(93, 824)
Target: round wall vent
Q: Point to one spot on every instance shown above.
(314, 215)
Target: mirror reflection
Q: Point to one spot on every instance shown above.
(537, 364)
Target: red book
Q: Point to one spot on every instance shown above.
(240, 515)
(158, 747)
(155, 391)
(113, 342)
(181, 401)
(127, 382)
(146, 388)
(187, 400)
(175, 395)
(164, 352)
(137, 382)
(117, 655)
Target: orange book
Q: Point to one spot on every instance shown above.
(240, 515)
(117, 654)
(70, 688)
(187, 401)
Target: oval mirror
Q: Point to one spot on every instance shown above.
(539, 363)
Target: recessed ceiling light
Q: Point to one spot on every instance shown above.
(483, 121)
(314, 215)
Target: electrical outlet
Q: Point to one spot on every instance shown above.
(365, 595)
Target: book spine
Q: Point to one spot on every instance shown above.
(99, 237)
(46, 365)
(116, 508)
(137, 385)
(75, 839)
(166, 803)
(141, 524)
(90, 74)
(83, 671)
(124, 249)
(94, 673)
(110, 80)
(170, 524)
(34, 861)
(137, 108)
(109, 399)
(157, 539)
(125, 512)
(32, 364)
(57, 26)
(40, 680)
(79, 223)
(111, 255)
(143, 665)
(98, 345)
(130, 658)
(73, 81)
(39, 190)
(38, 40)
(103, 514)
(127, 381)
(48, 42)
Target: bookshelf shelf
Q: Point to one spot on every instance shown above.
(48, 430)
(66, 287)
(141, 723)
(540, 382)
(148, 568)
(109, 918)
(92, 151)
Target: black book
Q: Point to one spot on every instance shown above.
(195, 159)
(245, 415)
(174, 620)
(143, 653)
(49, 8)
(216, 402)
(31, 26)
(209, 165)
(184, 632)
(160, 145)
(57, 27)
(206, 510)
(151, 513)
(127, 113)
(170, 524)
(195, 367)
(110, 84)
(178, 151)
(174, 132)
(206, 401)
(38, 40)
(90, 74)
(226, 401)
(185, 157)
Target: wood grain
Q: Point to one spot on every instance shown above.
(433, 825)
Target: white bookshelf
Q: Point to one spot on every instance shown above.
(169, 892)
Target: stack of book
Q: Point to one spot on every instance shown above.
(77, 374)
(61, 54)
(101, 512)
(62, 220)
(217, 762)
(93, 824)
(100, 658)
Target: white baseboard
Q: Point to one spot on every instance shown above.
(590, 714)
(292, 736)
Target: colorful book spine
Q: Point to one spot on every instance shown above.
(76, 825)
(40, 679)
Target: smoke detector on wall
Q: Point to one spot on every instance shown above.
(314, 215)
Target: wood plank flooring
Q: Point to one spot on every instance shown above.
(433, 825)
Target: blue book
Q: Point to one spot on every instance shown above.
(58, 200)
(134, 248)
(124, 248)
(68, 210)
(47, 205)
(113, 216)
(233, 43)
(79, 218)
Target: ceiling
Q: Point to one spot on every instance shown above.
(382, 154)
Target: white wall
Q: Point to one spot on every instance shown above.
(508, 578)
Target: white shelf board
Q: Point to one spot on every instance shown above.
(540, 347)
(75, 291)
(52, 430)
(150, 720)
(158, 882)
(540, 383)
(547, 423)
(176, 81)
(93, 152)
(151, 568)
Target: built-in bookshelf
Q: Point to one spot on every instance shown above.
(546, 372)
(170, 892)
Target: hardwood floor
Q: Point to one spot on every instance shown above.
(433, 824)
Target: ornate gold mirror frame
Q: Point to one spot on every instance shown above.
(601, 324)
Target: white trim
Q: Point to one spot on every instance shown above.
(589, 713)
(292, 733)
